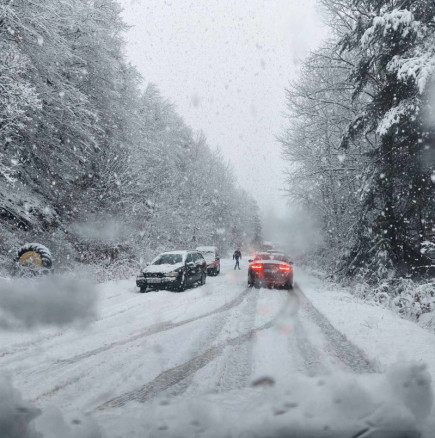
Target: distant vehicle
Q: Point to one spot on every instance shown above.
(212, 257)
(33, 259)
(268, 269)
(176, 270)
(265, 246)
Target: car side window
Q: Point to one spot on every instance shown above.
(199, 259)
(195, 258)
(189, 258)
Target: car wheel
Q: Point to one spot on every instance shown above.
(203, 278)
(183, 285)
(143, 289)
(250, 284)
(218, 270)
(257, 284)
(289, 285)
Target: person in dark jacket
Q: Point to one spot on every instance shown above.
(237, 256)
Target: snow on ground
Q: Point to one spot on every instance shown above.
(222, 358)
(383, 335)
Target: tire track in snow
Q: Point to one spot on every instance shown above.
(237, 363)
(338, 345)
(310, 355)
(175, 375)
(154, 329)
(236, 360)
(24, 346)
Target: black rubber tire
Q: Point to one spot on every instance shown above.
(288, 285)
(44, 252)
(183, 285)
(203, 278)
(143, 289)
(257, 285)
(250, 284)
(217, 271)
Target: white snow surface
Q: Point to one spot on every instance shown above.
(43, 249)
(220, 360)
(383, 335)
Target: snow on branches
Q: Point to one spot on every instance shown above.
(369, 95)
(396, 23)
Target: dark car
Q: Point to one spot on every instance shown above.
(211, 255)
(268, 269)
(175, 270)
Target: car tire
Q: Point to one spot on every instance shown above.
(250, 284)
(289, 285)
(257, 284)
(183, 285)
(142, 289)
(203, 278)
(217, 271)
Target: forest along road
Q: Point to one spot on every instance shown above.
(212, 338)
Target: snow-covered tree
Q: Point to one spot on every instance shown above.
(361, 135)
(393, 44)
(81, 142)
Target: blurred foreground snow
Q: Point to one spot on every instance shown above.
(50, 300)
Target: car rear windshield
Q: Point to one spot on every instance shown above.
(263, 257)
(168, 259)
(278, 257)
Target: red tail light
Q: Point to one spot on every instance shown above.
(284, 268)
(257, 267)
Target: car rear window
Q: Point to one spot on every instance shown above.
(263, 257)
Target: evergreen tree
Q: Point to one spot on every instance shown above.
(394, 50)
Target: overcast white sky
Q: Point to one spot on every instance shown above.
(225, 65)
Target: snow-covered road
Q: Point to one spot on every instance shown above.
(217, 337)
(221, 338)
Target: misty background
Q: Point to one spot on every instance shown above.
(226, 65)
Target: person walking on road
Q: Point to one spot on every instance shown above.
(237, 256)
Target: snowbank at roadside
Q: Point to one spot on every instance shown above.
(386, 338)
(382, 334)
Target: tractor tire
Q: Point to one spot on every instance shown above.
(34, 256)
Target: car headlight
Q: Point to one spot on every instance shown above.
(172, 274)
